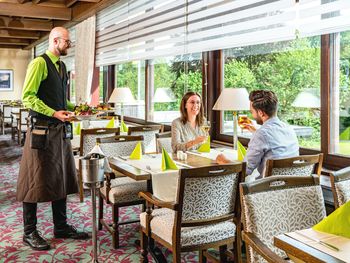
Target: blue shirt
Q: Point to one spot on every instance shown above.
(273, 140)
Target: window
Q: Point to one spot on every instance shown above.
(292, 70)
(72, 86)
(340, 103)
(101, 86)
(172, 78)
(131, 75)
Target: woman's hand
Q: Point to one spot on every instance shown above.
(200, 139)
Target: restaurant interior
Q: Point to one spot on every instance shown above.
(176, 156)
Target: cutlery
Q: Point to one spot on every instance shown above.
(148, 168)
(330, 246)
(123, 158)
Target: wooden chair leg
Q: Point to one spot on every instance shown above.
(144, 247)
(223, 255)
(81, 188)
(202, 258)
(176, 256)
(100, 211)
(238, 244)
(115, 226)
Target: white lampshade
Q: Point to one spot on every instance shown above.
(307, 98)
(164, 95)
(234, 99)
(121, 95)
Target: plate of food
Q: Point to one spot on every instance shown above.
(104, 107)
(85, 112)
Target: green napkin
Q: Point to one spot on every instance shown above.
(205, 147)
(77, 129)
(337, 223)
(110, 124)
(137, 152)
(167, 162)
(123, 127)
(241, 151)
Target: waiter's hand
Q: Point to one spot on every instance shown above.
(63, 115)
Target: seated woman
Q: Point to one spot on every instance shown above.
(186, 132)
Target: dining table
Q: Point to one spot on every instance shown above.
(311, 246)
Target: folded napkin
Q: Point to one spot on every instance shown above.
(110, 124)
(137, 152)
(337, 223)
(123, 127)
(77, 129)
(241, 151)
(205, 147)
(167, 162)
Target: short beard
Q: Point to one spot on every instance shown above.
(259, 120)
(62, 52)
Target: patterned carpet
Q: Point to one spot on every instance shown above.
(79, 214)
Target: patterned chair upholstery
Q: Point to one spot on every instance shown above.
(148, 132)
(118, 191)
(278, 205)
(87, 142)
(303, 165)
(340, 182)
(163, 140)
(208, 195)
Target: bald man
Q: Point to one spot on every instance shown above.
(47, 169)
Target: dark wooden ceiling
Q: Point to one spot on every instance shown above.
(25, 23)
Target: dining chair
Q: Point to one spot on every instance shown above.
(340, 182)
(163, 140)
(118, 191)
(87, 142)
(148, 132)
(6, 117)
(277, 205)
(302, 165)
(206, 214)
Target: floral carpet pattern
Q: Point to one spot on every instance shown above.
(79, 214)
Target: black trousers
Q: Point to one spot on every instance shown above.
(59, 213)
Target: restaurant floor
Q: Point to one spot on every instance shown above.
(12, 248)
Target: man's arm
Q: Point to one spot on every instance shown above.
(36, 73)
(256, 150)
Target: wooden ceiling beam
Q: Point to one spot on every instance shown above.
(69, 3)
(10, 46)
(35, 11)
(23, 1)
(11, 41)
(19, 34)
(25, 24)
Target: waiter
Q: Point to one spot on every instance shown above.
(47, 170)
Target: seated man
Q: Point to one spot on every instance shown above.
(274, 139)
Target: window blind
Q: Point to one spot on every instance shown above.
(318, 17)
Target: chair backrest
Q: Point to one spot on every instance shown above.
(163, 140)
(119, 145)
(278, 205)
(7, 113)
(88, 137)
(209, 194)
(23, 116)
(302, 165)
(148, 132)
(340, 182)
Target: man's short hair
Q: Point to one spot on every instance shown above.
(264, 100)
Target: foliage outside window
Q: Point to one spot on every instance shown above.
(291, 69)
(132, 76)
(175, 76)
(340, 116)
(72, 86)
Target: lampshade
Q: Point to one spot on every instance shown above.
(307, 98)
(234, 99)
(121, 95)
(164, 95)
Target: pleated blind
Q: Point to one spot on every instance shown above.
(318, 17)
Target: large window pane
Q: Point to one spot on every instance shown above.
(131, 75)
(340, 114)
(172, 78)
(292, 70)
(72, 86)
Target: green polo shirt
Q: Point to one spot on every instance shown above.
(36, 73)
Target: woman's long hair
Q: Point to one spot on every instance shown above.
(183, 111)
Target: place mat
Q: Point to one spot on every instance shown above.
(342, 243)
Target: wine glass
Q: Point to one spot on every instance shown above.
(206, 127)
